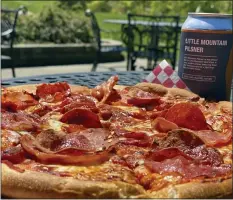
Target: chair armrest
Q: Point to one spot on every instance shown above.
(23, 10)
(8, 32)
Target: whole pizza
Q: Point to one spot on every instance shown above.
(111, 141)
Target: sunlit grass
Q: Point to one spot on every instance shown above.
(32, 6)
(109, 26)
(37, 6)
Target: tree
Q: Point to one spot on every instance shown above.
(74, 5)
(183, 7)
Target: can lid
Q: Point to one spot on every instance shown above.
(209, 14)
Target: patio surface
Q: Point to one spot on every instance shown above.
(34, 71)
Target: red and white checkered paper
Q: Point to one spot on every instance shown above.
(164, 74)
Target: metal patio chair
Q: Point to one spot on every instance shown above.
(151, 37)
(8, 33)
(98, 40)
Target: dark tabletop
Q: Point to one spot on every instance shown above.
(90, 79)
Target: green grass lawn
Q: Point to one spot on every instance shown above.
(32, 6)
(109, 26)
(37, 6)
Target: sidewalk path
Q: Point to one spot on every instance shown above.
(59, 69)
(34, 71)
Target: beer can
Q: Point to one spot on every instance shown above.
(205, 62)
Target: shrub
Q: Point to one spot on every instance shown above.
(100, 6)
(74, 4)
(53, 25)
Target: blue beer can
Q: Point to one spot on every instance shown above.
(205, 62)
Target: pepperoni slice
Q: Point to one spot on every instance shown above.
(13, 100)
(138, 97)
(118, 160)
(105, 90)
(87, 159)
(20, 121)
(84, 148)
(89, 140)
(214, 138)
(155, 114)
(132, 155)
(73, 128)
(138, 143)
(77, 101)
(139, 139)
(131, 134)
(141, 101)
(163, 125)
(187, 168)
(13, 154)
(86, 140)
(83, 117)
(187, 115)
(167, 153)
(41, 109)
(82, 105)
(188, 143)
(56, 90)
(201, 155)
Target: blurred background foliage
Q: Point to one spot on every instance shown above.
(64, 21)
(53, 25)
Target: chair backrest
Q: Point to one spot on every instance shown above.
(8, 25)
(153, 37)
(95, 28)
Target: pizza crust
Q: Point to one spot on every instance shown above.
(149, 87)
(226, 106)
(196, 190)
(164, 91)
(31, 184)
(178, 93)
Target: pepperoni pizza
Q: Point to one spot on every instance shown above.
(142, 141)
